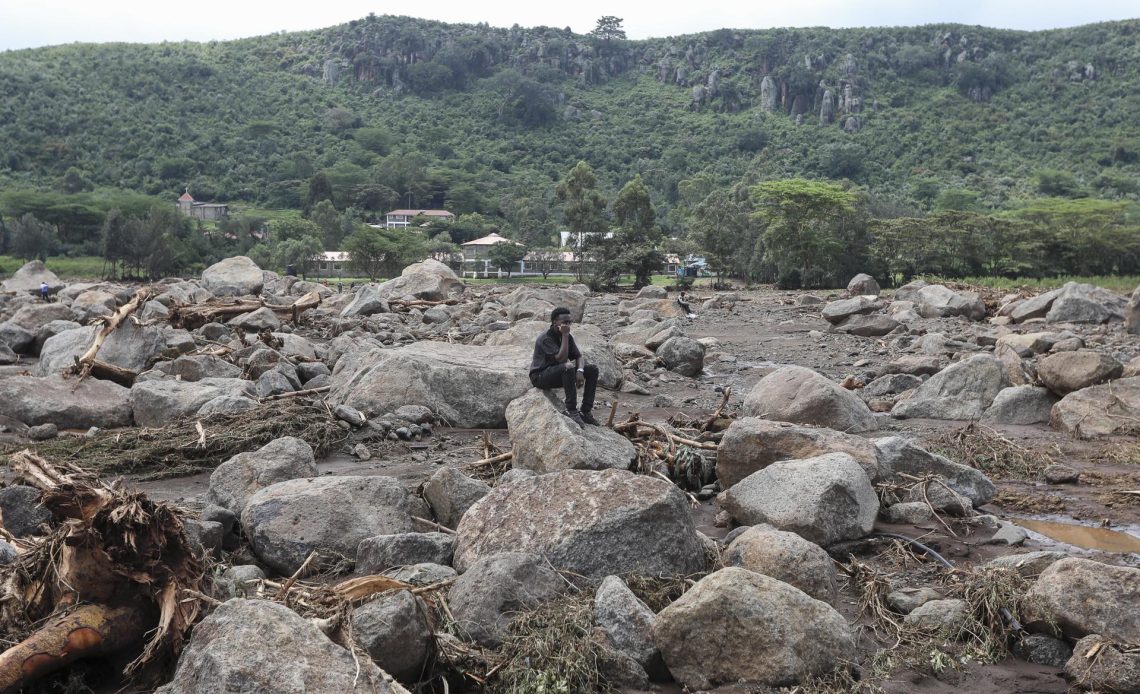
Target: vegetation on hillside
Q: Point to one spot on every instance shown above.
(956, 149)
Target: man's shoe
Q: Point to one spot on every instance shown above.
(588, 418)
(576, 417)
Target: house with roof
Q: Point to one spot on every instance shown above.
(477, 253)
(399, 219)
(206, 211)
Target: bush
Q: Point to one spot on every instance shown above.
(789, 279)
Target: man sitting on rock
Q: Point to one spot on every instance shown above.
(557, 362)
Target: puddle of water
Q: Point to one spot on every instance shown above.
(1101, 539)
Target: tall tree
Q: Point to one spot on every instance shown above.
(33, 238)
(638, 234)
(504, 255)
(803, 225)
(583, 211)
(608, 28)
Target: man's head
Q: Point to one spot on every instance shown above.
(560, 315)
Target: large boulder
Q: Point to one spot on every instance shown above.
(1099, 664)
(798, 394)
(545, 440)
(1087, 597)
(867, 326)
(750, 444)
(384, 552)
(156, 403)
(591, 342)
(839, 311)
(466, 386)
(131, 346)
(737, 625)
(1020, 405)
(1066, 372)
(29, 277)
(93, 303)
(69, 404)
(287, 521)
(394, 630)
(627, 621)
(591, 523)
(825, 499)
(237, 276)
(1035, 307)
(1106, 410)
(367, 302)
(536, 303)
(34, 316)
(1085, 303)
(961, 391)
(240, 477)
(863, 285)
(900, 457)
(786, 557)
(683, 355)
(263, 647)
(486, 597)
(429, 280)
(197, 367)
(938, 301)
(450, 493)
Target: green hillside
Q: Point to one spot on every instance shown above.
(394, 111)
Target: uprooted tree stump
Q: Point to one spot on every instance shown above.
(116, 569)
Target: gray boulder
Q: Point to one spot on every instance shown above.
(384, 552)
(424, 574)
(195, 368)
(628, 623)
(69, 404)
(949, 617)
(960, 391)
(1029, 564)
(838, 311)
(632, 523)
(1102, 665)
(466, 386)
(867, 326)
(94, 303)
(429, 280)
(131, 346)
(786, 557)
(367, 302)
(28, 278)
(1085, 303)
(1132, 314)
(1066, 372)
(287, 521)
(490, 591)
(1087, 597)
(937, 301)
(155, 403)
(263, 647)
(240, 477)
(1035, 307)
(750, 444)
(545, 440)
(863, 285)
(1043, 650)
(34, 316)
(890, 384)
(238, 582)
(17, 339)
(800, 395)
(227, 404)
(20, 510)
(450, 493)
(900, 456)
(1021, 405)
(824, 499)
(737, 625)
(682, 355)
(394, 631)
(262, 319)
(237, 276)
(1105, 410)
(907, 600)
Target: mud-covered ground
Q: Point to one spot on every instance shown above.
(765, 328)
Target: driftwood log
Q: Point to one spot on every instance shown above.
(88, 363)
(115, 571)
(196, 315)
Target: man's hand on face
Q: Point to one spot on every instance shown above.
(564, 328)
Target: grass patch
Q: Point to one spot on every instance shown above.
(1121, 283)
(79, 267)
(175, 450)
(983, 448)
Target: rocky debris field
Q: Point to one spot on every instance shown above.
(253, 481)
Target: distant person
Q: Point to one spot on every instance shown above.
(558, 362)
(45, 291)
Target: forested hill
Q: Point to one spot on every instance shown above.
(394, 110)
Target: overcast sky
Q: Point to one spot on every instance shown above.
(30, 23)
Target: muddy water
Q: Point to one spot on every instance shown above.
(1082, 536)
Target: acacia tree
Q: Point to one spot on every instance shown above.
(293, 241)
(33, 238)
(504, 255)
(638, 234)
(804, 225)
(583, 211)
(726, 232)
(545, 260)
(608, 28)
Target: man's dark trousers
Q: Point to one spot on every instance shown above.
(562, 375)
